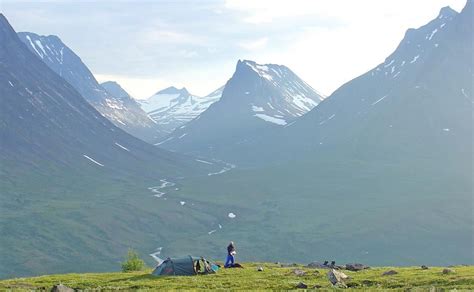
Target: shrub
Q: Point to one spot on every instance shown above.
(133, 262)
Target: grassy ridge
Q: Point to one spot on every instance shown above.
(273, 277)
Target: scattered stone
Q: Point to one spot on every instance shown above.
(260, 269)
(318, 265)
(389, 273)
(368, 283)
(424, 267)
(299, 272)
(337, 278)
(356, 267)
(301, 285)
(61, 288)
(352, 284)
(448, 271)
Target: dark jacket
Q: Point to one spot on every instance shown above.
(230, 248)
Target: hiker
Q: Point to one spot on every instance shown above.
(229, 262)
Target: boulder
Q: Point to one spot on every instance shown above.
(317, 265)
(301, 285)
(337, 278)
(424, 267)
(356, 267)
(260, 269)
(448, 271)
(389, 273)
(299, 272)
(61, 288)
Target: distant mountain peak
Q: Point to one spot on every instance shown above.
(446, 12)
(173, 90)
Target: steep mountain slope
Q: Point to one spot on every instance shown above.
(124, 112)
(417, 103)
(258, 98)
(171, 108)
(149, 131)
(75, 189)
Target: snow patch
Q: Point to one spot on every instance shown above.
(204, 161)
(231, 215)
(379, 100)
(270, 119)
(164, 141)
(432, 34)
(226, 168)
(414, 59)
(11, 84)
(182, 203)
(182, 136)
(93, 160)
(257, 109)
(123, 147)
(391, 62)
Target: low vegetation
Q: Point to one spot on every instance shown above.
(133, 262)
(273, 276)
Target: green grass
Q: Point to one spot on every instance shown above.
(273, 277)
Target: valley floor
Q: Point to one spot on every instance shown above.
(272, 277)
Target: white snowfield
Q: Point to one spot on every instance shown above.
(92, 160)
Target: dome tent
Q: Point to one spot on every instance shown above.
(185, 266)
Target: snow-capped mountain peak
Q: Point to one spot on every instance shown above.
(274, 93)
(173, 107)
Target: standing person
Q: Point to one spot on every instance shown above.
(230, 255)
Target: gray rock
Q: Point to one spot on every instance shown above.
(356, 267)
(301, 285)
(260, 269)
(448, 271)
(337, 278)
(299, 272)
(389, 273)
(317, 265)
(61, 288)
(424, 267)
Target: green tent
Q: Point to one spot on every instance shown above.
(186, 266)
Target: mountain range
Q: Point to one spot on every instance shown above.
(379, 172)
(123, 110)
(257, 99)
(75, 188)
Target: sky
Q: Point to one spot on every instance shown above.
(149, 45)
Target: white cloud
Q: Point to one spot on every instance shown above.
(254, 44)
(326, 55)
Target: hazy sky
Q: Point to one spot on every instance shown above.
(149, 45)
